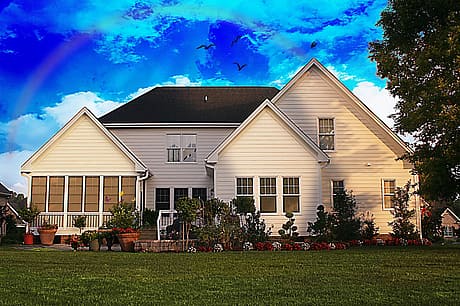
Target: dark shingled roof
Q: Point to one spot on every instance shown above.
(191, 105)
(5, 191)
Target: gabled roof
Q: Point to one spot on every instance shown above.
(449, 211)
(190, 105)
(139, 165)
(5, 192)
(322, 157)
(348, 93)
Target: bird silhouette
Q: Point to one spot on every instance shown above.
(236, 39)
(240, 67)
(313, 44)
(205, 46)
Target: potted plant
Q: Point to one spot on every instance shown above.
(91, 239)
(28, 215)
(125, 224)
(47, 232)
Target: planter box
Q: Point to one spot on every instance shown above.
(157, 246)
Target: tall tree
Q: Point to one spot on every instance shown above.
(420, 57)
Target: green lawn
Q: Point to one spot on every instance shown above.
(367, 276)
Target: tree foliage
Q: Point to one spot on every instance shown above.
(420, 57)
(346, 225)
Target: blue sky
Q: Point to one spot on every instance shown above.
(58, 56)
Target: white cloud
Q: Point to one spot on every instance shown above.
(9, 171)
(379, 100)
(70, 104)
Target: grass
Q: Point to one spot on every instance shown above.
(376, 276)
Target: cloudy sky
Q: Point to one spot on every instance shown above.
(58, 56)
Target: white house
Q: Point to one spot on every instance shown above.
(289, 149)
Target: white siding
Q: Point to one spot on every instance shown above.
(268, 148)
(84, 149)
(149, 144)
(363, 154)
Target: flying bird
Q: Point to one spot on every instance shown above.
(236, 39)
(240, 67)
(313, 44)
(205, 46)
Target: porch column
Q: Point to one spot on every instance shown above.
(101, 200)
(66, 200)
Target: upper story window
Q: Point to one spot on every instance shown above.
(326, 133)
(181, 148)
(389, 187)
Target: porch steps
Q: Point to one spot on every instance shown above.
(148, 234)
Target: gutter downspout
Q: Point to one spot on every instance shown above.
(417, 206)
(142, 179)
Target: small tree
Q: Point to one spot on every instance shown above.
(368, 228)
(346, 226)
(79, 222)
(28, 215)
(187, 210)
(289, 230)
(322, 227)
(402, 225)
(431, 223)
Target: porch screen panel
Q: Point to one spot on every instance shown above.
(75, 193)
(92, 193)
(128, 186)
(38, 198)
(56, 196)
(110, 192)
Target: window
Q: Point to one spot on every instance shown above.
(110, 192)
(389, 187)
(92, 193)
(326, 134)
(200, 193)
(181, 148)
(338, 188)
(268, 195)
(162, 198)
(128, 186)
(75, 193)
(38, 198)
(56, 195)
(179, 193)
(244, 187)
(448, 231)
(291, 194)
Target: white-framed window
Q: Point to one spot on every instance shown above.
(338, 187)
(162, 196)
(179, 193)
(326, 134)
(244, 187)
(181, 148)
(291, 194)
(267, 191)
(448, 231)
(388, 190)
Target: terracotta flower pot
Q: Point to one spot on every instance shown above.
(28, 238)
(47, 236)
(127, 241)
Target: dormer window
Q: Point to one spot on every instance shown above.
(181, 148)
(326, 133)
